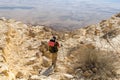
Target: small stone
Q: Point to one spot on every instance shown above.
(68, 76)
(87, 73)
(36, 67)
(94, 70)
(5, 72)
(19, 75)
(118, 72)
(30, 62)
(38, 55)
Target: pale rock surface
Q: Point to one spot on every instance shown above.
(23, 48)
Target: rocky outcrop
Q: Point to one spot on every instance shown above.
(20, 46)
(103, 37)
(24, 52)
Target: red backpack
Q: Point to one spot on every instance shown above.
(50, 43)
(53, 46)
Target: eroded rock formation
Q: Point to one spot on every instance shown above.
(24, 52)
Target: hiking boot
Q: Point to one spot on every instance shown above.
(54, 65)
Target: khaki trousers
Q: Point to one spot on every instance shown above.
(54, 59)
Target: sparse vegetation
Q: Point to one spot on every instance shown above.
(118, 15)
(95, 64)
(24, 52)
(111, 34)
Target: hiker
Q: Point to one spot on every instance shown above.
(53, 48)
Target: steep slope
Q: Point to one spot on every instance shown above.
(19, 48)
(24, 52)
(99, 45)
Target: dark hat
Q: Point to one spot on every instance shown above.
(54, 37)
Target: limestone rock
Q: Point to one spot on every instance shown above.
(19, 75)
(87, 73)
(46, 62)
(24, 51)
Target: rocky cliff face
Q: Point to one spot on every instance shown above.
(24, 52)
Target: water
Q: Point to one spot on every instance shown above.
(59, 14)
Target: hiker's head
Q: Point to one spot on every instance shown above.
(54, 37)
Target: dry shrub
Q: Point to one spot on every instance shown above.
(98, 63)
(111, 34)
(94, 64)
(31, 33)
(118, 15)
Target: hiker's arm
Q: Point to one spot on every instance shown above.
(58, 45)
